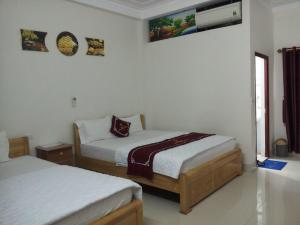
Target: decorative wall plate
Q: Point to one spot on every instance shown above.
(67, 43)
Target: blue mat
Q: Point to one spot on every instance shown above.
(273, 165)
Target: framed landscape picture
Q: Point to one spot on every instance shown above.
(174, 25)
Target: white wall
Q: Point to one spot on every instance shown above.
(262, 42)
(286, 34)
(202, 82)
(36, 88)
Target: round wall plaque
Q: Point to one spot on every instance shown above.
(67, 43)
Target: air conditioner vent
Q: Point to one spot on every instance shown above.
(229, 13)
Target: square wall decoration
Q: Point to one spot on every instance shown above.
(95, 46)
(33, 40)
(174, 25)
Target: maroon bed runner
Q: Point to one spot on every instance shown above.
(140, 159)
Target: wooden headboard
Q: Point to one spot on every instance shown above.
(143, 121)
(18, 147)
(77, 137)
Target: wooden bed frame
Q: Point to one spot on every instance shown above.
(130, 214)
(192, 186)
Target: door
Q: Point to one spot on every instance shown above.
(262, 104)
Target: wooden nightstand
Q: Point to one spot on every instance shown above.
(60, 154)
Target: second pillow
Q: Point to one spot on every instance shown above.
(119, 128)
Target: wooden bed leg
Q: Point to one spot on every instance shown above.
(185, 203)
(240, 160)
(140, 216)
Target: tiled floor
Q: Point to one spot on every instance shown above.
(261, 197)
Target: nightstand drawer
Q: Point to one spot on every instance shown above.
(60, 155)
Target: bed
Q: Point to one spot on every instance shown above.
(193, 181)
(109, 201)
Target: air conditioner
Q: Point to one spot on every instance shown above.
(220, 15)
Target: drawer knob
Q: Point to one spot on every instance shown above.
(61, 153)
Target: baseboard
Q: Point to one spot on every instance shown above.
(249, 167)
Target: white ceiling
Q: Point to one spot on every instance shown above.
(142, 9)
(145, 9)
(141, 4)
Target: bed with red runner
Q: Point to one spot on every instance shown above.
(192, 165)
(140, 159)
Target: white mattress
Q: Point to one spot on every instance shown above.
(23, 166)
(108, 149)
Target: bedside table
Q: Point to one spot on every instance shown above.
(61, 154)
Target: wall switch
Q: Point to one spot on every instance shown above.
(74, 102)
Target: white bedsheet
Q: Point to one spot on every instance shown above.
(169, 163)
(46, 193)
(22, 165)
(106, 149)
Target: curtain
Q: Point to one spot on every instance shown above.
(291, 101)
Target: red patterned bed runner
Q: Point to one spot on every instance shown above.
(140, 159)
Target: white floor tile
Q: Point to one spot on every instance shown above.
(261, 197)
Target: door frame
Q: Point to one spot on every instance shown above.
(267, 104)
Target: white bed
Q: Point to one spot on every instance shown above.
(186, 157)
(37, 192)
(194, 170)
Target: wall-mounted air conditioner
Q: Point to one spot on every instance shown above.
(229, 13)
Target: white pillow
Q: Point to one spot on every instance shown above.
(135, 123)
(4, 147)
(94, 130)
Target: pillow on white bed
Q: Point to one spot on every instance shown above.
(94, 130)
(135, 123)
(4, 147)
